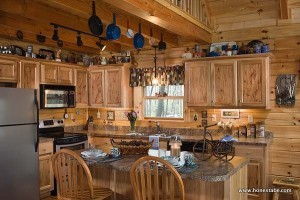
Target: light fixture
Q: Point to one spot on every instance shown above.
(79, 41)
(79, 33)
(155, 80)
(100, 45)
(55, 36)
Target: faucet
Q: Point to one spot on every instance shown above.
(157, 128)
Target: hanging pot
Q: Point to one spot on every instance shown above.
(162, 45)
(95, 23)
(129, 32)
(138, 40)
(113, 32)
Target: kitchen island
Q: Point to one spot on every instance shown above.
(211, 179)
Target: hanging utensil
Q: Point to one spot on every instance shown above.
(138, 40)
(129, 32)
(95, 23)
(113, 32)
(162, 45)
(152, 41)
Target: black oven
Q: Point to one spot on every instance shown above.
(54, 128)
(57, 96)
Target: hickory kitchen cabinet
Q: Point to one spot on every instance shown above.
(9, 69)
(81, 82)
(258, 168)
(109, 86)
(228, 82)
(30, 71)
(45, 167)
(53, 73)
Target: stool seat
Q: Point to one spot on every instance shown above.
(289, 184)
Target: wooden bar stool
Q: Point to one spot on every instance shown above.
(290, 184)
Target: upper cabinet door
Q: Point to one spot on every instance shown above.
(65, 75)
(197, 82)
(81, 87)
(96, 90)
(252, 79)
(49, 73)
(113, 81)
(30, 74)
(8, 69)
(224, 83)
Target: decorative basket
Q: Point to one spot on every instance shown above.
(132, 147)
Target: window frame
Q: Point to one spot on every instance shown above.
(167, 97)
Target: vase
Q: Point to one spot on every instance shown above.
(132, 126)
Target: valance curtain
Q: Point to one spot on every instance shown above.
(169, 75)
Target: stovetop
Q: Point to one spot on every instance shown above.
(54, 128)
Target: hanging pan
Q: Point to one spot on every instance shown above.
(113, 32)
(162, 45)
(129, 32)
(138, 40)
(95, 23)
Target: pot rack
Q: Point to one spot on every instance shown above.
(79, 32)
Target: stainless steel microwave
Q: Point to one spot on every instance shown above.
(57, 96)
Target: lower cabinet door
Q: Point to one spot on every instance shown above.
(254, 179)
(46, 173)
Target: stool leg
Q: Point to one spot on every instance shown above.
(296, 195)
(275, 195)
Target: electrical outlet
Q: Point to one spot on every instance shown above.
(214, 117)
(250, 118)
(72, 116)
(98, 115)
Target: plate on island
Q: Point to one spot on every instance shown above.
(93, 153)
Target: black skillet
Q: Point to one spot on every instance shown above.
(95, 23)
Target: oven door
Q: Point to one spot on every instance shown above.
(73, 146)
(56, 98)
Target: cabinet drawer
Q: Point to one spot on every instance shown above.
(252, 153)
(45, 147)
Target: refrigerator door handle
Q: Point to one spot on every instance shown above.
(37, 123)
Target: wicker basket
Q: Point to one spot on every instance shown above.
(132, 147)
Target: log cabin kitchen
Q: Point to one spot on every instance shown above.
(205, 90)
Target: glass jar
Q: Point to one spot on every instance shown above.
(175, 146)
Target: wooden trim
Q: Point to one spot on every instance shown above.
(283, 9)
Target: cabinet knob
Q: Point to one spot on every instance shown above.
(241, 101)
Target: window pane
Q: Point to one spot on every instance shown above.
(171, 90)
(168, 108)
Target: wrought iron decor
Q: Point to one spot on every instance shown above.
(207, 147)
(285, 89)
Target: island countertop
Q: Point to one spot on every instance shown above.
(189, 138)
(213, 169)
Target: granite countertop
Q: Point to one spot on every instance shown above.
(210, 170)
(188, 138)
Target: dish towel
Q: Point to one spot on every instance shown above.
(155, 144)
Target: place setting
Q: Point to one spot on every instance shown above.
(96, 155)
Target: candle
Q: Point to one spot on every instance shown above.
(175, 150)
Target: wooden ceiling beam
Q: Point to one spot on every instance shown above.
(104, 11)
(14, 23)
(164, 17)
(43, 15)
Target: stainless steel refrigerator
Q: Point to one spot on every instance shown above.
(19, 170)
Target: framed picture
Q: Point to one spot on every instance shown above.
(123, 59)
(230, 113)
(111, 115)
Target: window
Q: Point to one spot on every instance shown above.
(163, 101)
